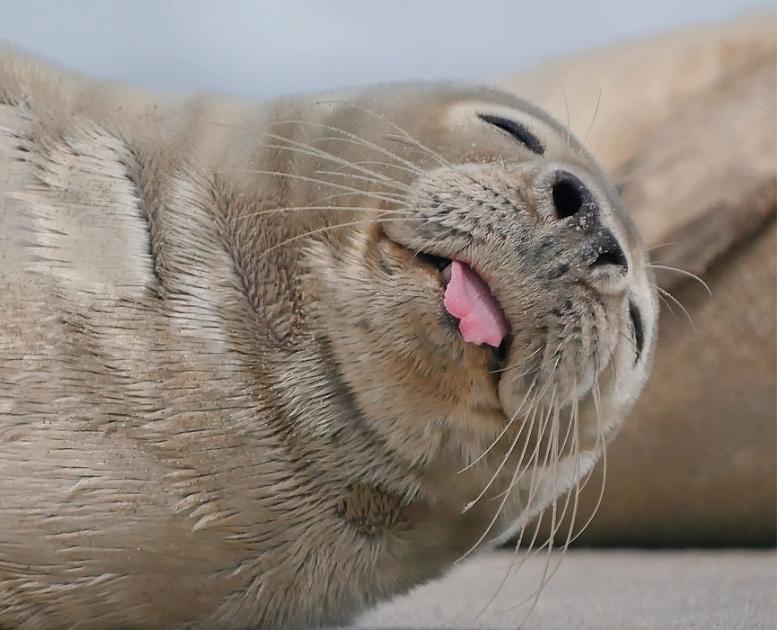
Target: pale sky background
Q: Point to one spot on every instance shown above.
(260, 48)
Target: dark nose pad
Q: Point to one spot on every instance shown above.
(610, 252)
(570, 195)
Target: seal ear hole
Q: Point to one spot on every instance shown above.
(516, 130)
(567, 196)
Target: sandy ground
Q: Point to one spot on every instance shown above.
(601, 590)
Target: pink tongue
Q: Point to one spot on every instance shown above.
(467, 298)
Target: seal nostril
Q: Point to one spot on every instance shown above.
(610, 252)
(611, 257)
(568, 195)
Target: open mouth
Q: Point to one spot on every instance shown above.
(468, 299)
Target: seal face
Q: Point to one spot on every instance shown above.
(312, 353)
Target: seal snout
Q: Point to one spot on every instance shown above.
(575, 205)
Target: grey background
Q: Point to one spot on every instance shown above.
(261, 48)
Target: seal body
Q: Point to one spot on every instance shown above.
(230, 392)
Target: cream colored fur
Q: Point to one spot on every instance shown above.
(229, 395)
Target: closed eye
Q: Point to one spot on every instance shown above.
(516, 130)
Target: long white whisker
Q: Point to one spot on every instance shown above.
(306, 149)
(684, 273)
(496, 473)
(403, 133)
(518, 364)
(666, 293)
(410, 141)
(328, 228)
(593, 118)
(364, 178)
(323, 182)
(352, 138)
(554, 530)
(389, 165)
(601, 443)
(504, 430)
(660, 245)
(494, 519)
(283, 210)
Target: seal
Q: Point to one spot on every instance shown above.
(264, 366)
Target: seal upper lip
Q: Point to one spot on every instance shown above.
(468, 299)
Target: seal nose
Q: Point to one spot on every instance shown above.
(578, 215)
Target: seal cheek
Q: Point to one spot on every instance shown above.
(371, 510)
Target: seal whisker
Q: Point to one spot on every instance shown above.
(683, 272)
(334, 227)
(502, 432)
(387, 164)
(512, 569)
(602, 445)
(294, 146)
(664, 301)
(258, 213)
(660, 245)
(665, 293)
(314, 180)
(575, 490)
(554, 528)
(623, 334)
(366, 174)
(518, 364)
(578, 487)
(534, 456)
(352, 138)
(571, 429)
(553, 517)
(593, 118)
(412, 142)
(535, 405)
(307, 149)
(364, 178)
(535, 466)
(530, 551)
(403, 133)
(499, 509)
(530, 413)
(340, 195)
(568, 127)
